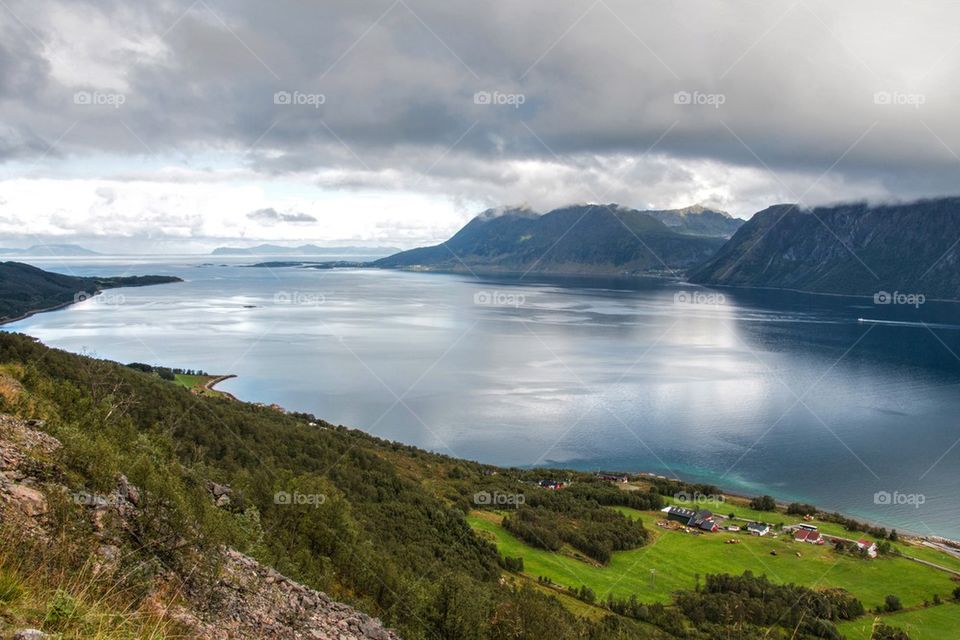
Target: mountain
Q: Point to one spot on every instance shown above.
(699, 221)
(302, 250)
(25, 289)
(596, 239)
(46, 250)
(852, 249)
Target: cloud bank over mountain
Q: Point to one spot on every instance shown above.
(418, 114)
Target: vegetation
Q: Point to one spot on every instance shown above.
(25, 289)
(391, 535)
(763, 503)
(551, 519)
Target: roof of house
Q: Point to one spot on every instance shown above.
(680, 511)
(806, 534)
(757, 526)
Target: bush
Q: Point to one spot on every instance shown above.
(892, 603)
(62, 611)
(886, 632)
(763, 503)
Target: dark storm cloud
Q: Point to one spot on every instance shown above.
(272, 216)
(437, 95)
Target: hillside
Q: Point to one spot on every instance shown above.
(25, 289)
(846, 249)
(161, 514)
(591, 239)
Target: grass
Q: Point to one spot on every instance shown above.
(931, 623)
(198, 384)
(741, 509)
(42, 588)
(673, 560)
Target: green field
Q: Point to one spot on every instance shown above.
(198, 384)
(931, 623)
(739, 507)
(673, 560)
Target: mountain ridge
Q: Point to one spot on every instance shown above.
(845, 249)
(599, 239)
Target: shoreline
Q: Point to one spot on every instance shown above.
(210, 384)
(33, 312)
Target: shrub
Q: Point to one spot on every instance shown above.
(892, 603)
(62, 611)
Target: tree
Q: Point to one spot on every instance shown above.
(892, 603)
(763, 503)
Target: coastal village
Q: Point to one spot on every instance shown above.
(698, 521)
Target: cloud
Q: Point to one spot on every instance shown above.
(272, 216)
(475, 105)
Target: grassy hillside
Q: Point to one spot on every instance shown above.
(675, 560)
(385, 527)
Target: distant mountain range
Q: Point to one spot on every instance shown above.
(43, 250)
(845, 249)
(599, 239)
(302, 250)
(25, 289)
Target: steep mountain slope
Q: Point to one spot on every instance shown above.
(602, 239)
(848, 249)
(25, 289)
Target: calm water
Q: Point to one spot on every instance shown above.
(781, 393)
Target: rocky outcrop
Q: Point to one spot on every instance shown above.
(254, 601)
(246, 600)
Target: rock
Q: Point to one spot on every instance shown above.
(30, 501)
(223, 501)
(30, 634)
(128, 491)
(218, 490)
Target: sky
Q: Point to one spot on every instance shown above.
(180, 125)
